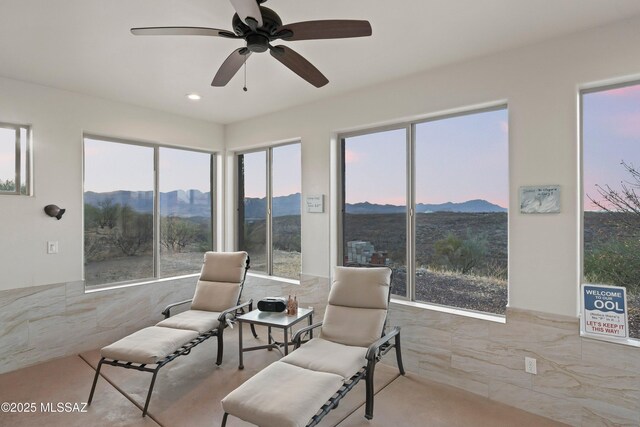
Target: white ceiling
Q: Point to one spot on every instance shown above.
(85, 46)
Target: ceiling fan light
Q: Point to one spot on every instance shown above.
(194, 96)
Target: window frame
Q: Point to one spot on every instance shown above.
(410, 127)
(268, 150)
(18, 160)
(157, 267)
(633, 342)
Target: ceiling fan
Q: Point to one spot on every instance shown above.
(259, 27)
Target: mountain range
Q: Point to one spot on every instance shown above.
(193, 203)
(476, 205)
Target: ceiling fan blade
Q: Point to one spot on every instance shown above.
(182, 31)
(296, 63)
(248, 9)
(327, 29)
(230, 66)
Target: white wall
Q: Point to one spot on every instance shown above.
(540, 84)
(58, 119)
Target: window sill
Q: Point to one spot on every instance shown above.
(121, 285)
(274, 278)
(631, 342)
(450, 310)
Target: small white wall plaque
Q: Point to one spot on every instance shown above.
(540, 199)
(315, 203)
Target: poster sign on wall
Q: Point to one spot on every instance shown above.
(315, 203)
(541, 199)
(604, 311)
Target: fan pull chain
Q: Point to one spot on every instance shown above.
(245, 76)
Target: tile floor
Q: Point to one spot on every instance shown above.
(189, 389)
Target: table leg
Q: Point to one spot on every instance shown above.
(311, 323)
(240, 363)
(286, 342)
(269, 334)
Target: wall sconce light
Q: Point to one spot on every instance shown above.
(54, 211)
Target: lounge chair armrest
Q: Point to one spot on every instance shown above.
(298, 335)
(374, 348)
(223, 316)
(167, 310)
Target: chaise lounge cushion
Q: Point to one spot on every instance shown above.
(148, 345)
(358, 327)
(357, 308)
(193, 320)
(325, 356)
(223, 267)
(281, 395)
(360, 287)
(215, 296)
(220, 281)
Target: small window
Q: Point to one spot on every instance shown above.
(269, 200)
(15, 162)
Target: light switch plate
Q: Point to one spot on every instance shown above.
(52, 247)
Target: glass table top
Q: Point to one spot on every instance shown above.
(275, 319)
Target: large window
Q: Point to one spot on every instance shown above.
(149, 217)
(375, 209)
(15, 159)
(269, 203)
(611, 181)
(450, 246)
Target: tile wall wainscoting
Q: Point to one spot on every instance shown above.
(41, 323)
(580, 381)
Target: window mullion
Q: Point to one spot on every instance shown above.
(17, 162)
(213, 196)
(156, 213)
(411, 217)
(269, 217)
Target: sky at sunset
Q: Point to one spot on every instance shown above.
(111, 166)
(611, 134)
(286, 172)
(457, 159)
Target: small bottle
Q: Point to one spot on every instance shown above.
(289, 306)
(295, 305)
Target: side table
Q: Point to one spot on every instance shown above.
(271, 320)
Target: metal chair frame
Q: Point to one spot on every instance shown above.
(186, 348)
(374, 354)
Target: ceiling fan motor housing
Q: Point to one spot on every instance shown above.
(270, 24)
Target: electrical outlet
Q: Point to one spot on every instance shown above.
(530, 365)
(52, 247)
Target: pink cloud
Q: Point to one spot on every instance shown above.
(351, 156)
(627, 91)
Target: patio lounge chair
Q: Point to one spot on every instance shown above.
(215, 303)
(301, 388)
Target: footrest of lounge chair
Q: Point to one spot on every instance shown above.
(282, 395)
(148, 345)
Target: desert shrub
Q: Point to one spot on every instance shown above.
(10, 185)
(458, 254)
(7, 185)
(177, 233)
(108, 213)
(95, 246)
(134, 231)
(615, 262)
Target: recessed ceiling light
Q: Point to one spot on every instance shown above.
(193, 96)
